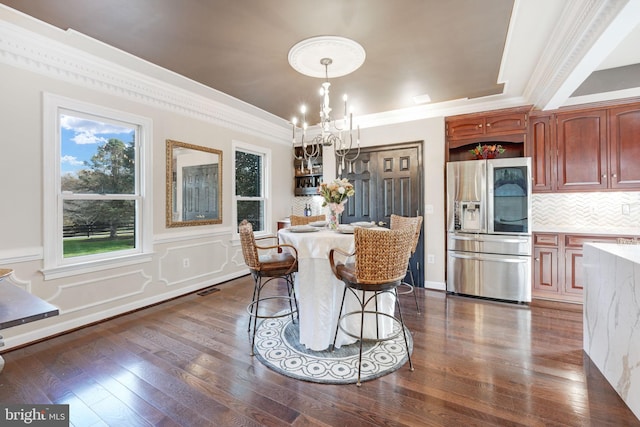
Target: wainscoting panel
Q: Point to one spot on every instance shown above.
(100, 291)
(190, 262)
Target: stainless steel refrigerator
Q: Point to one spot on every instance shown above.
(489, 228)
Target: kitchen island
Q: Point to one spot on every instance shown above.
(612, 316)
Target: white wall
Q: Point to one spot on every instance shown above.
(35, 59)
(31, 65)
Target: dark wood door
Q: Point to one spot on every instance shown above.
(388, 180)
(200, 197)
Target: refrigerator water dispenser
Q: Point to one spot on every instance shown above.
(470, 216)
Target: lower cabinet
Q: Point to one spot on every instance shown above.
(557, 264)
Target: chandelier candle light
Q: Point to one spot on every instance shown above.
(311, 57)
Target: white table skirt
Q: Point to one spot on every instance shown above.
(319, 292)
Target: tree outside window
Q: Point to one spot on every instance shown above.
(249, 192)
(97, 178)
(98, 186)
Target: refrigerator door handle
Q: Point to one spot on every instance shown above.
(516, 240)
(479, 257)
(465, 238)
(483, 238)
(457, 255)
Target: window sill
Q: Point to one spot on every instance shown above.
(93, 266)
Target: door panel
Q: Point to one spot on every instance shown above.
(624, 154)
(573, 271)
(388, 180)
(358, 207)
(582, 154)
(545, 275)
(387, 198)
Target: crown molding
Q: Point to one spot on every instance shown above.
(33, 52)
(569, 56)
(441, 109)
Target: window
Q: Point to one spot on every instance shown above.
(250, 167)
(95, 202)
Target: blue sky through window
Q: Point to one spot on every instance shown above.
(80, 139)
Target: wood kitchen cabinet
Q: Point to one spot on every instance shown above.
(557, 264)
(581, 149)
(486, 124)
(545, 266)
(541, 136)
(506, 127)
(624, 147)
(590, 149)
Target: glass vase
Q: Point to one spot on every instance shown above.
(334, 219)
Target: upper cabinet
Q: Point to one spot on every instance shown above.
(581, 148)
(541, 133)
(488, 124)
(590, 149)
(624, 147)
(584, 148)
(505, 127)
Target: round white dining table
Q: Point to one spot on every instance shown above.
(319, 292)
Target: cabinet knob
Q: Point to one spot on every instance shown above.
(604, 175)
(537, 259)
(614, 175)
(488, 125)
(480, 125)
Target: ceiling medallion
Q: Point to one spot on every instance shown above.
(347, 56)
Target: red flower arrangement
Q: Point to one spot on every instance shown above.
(487, 151)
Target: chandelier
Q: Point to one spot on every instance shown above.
(338, 132)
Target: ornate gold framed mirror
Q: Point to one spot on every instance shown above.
(194, 185)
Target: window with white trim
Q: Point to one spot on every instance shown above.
(250, 180)
(96, 211)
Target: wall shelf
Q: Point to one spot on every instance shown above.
(306, 181)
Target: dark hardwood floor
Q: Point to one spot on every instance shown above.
(186, 362)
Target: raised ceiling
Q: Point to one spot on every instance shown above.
(450, 50)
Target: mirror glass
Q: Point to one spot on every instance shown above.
(194, 185)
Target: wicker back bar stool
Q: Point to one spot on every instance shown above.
(415, 223)
(264, 269)
(381, 258)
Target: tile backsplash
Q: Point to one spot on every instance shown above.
(604, 210)
(598, 210)
(314, 201)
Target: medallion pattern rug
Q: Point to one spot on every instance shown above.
(278, 347)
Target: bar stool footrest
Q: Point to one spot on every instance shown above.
(275, 315)
(352, 335)
(405, 291)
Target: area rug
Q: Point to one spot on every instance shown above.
(278, 347)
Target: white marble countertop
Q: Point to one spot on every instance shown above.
(586, 230)
(611, 330)
(628, 252)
